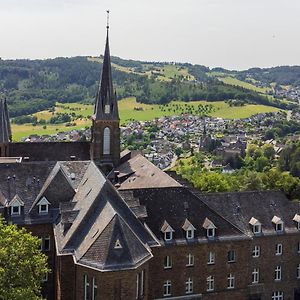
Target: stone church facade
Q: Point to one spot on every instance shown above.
(116, 227)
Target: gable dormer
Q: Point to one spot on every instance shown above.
(296, 219)
(167, 230)
(15, 206)
(210, 228)
(43, 206)
(189, 229)
(279, 225)
(256, 225)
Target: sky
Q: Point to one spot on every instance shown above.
(234, 34)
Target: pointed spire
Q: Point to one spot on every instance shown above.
(5, 129)
(106, 107)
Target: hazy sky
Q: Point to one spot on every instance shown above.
(234, 34)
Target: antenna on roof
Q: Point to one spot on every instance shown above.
(107, 19)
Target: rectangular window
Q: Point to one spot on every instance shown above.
(189, 286)
(278, 274)
(210, 232)
(255, 275)
(257, 229)
(16, 210)
(46, 243)
(278, 249)
(210, 283)
(211, 258)
(298, 247)
(231, 256)
(140, 284)
(86, 287)
(256, 251)
(298, 271)
(168, 235)
(190, 260)
(277, 295)
(94, 289)
(230, 281)
(279, 227)
(167, 288)
(167, 262)
(190, 234)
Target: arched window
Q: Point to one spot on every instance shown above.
(106, 141)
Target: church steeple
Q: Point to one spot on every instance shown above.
(105, 146)
(5, 129)
(106, 103)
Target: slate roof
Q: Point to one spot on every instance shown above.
(105, 94)
(176, 204)
(101, 215)
(240, 207)
(139, 172)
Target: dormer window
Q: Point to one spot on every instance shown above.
(15, 206)
(210, 228)
(43, 206)
(167, 230)
(256, 225)
(278, 224)
(297, 220)
(189, 229)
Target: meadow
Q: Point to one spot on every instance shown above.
(131, 110)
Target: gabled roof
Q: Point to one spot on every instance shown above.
(208, 224)
(97, 203)
(166, 227)
(139, 173)
(187, 225)
(296, 218)
(276, 220)
(105, 95)
(16, 200)
(254, 222)
(116, 247)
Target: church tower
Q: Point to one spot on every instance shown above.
(5, 129)
(105, 145)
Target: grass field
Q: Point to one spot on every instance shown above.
(234, 81)
(131, 110)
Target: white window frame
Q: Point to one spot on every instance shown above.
(167, 262)
(255, 276)
(211, 232)
(86, 286)
(298, 247)
(230, 281)
(190, 260)
(279, 227)
(298, 225)
(94, 288)
(278, 249)
(278, 295)
(298, 271)
(106, 141)
(256, 251)
(167, 288)
(210, 281)
(189, 286)
(190, 234)
(211, 258)
(41, 203)
(278, 273)
(257, 228)
(229, 258)
(170, 237)
(15, 213)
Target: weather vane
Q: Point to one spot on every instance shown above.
(107, 25)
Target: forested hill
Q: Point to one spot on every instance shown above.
(34, 85)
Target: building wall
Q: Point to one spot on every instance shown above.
(112, 285)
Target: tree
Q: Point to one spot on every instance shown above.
(22, 264)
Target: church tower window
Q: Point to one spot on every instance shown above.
(106, 141)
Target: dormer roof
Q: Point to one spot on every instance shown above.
(166, 227)
(43, 201)
(277, 220)
(187, 225)
(254, 222)
(16, 200)
(208, 224)
(296, 218)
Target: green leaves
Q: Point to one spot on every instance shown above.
(22, 265)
